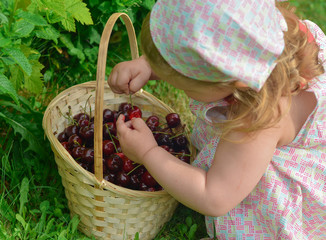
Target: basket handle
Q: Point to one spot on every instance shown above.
(100, 79)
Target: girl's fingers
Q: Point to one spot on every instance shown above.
(138, 123)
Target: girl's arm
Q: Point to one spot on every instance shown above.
(235, 171)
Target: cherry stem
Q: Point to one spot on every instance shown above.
(177, 135)
(162, 132)
(115, 147)
(130, 99)
(181, 154)
(68, 115)
(134, 169)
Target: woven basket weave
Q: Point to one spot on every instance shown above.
(106, 211)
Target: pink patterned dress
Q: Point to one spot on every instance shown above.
(289, 202)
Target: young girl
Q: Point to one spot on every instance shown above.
(255, 76)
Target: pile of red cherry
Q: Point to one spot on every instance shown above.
(78, 139)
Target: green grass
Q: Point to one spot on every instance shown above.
(32, 199)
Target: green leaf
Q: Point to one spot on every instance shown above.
(16, 76)
(48, 33)
(34, 83)
(192, 231)
(62, 235)
(26, 130)
(3, 18)
(188, 221)
(79, 11)
(21, 220)
(6, 211)
(94, 37)
(148, 4)
(32, 18)
(23, 28)
(19, 58)
(24, 189)
(65, 39)
(4, 42)
(77, 52)
(6, 87)
(69, 24)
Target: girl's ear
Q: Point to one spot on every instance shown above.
(239, 84)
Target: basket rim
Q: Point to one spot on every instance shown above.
(63, 153)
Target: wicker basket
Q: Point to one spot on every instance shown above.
(106, 211)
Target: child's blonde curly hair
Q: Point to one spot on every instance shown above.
(256, 110)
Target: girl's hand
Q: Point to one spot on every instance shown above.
(135, 138)
(128, 77)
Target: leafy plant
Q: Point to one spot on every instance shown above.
(20, 27)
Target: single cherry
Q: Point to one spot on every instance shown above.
(109, 128)
(62, 137)
(75, 141)
(124, 107)
(123, 179)
(108, 148)
(128, 165)
(173, 120)
(88, 156)
(83, 122)
(71, 130)
(134, 181)
(86, 132)
(114, 163)
(164, 139)
(179, 142)
(66, 145)
(148, 179)
(110, 177)
(153, 122)
(108, 115)
(78, 152)
(134, 112)
(80, 116)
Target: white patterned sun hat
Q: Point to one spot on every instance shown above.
(219, 40)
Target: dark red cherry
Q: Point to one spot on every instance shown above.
(114, 163)
(78, 152)
(87, 133)
(134, 112)
(109, 128)
(86, 166)
(179, 142)
(75, 141)
(110, 177)
(62, 137)
(71, 130)
(134, 181)
(125, 114)
(66, 145)
(88, 156)
(164, 139)
(158, 188)
(148, 179)
(83, 123)
(173, 120)
(124, 107)
(128, 165)
(153, 122)
(108, 115)
(123, 179)
(150, 189)
(80, 116)
(184, 158)
(108, 148)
